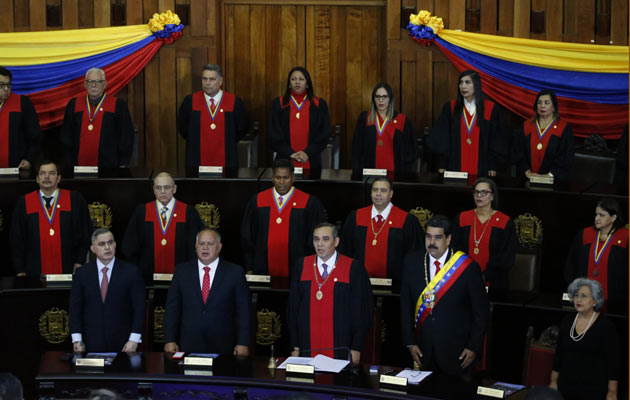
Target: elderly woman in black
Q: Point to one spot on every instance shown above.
(586, 364)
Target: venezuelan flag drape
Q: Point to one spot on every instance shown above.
(591, 81)
(49, 67)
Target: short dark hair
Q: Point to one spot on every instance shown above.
(103, 394)
(6, 72)
(327, 225)
(611, 206)
(440, 221)
(10, 387)
(382, 179)
(46, 162)
(493, 187)
(98, 232)
(309, 84)
(213, 67)
(282, 163)
(554, 101)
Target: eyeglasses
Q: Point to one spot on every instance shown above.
(482, 193)
(163, 188)
(381, 97)
(5, 85)
(581, 296)
(94, 81)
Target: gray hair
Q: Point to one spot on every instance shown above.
(596, 290)
(213, 67)
(100, 231)
(216, 232)
(164, 174)
(335, 232)
(100, 71)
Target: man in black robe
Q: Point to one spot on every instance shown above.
(97, 128)
(60, 221)
(330, 301)
(278, 224)
(20, 135)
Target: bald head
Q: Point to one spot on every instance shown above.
(164, 187)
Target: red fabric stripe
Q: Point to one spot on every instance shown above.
(384, 158)
(299, 129)
(468, 218)
(537, 155)
(90, 140)
(164, 256)
(469, 154)
(13, 103)
(589, 238)
(212, 141)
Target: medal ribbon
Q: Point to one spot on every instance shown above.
(213, 113)
(164, 226)
(298, 106)
(91, 115)
(285, 200)
(471, 123)
(2, 105)
(381, 128)
(541, 134)
(439, 281)
(50, 216)
(598, 254)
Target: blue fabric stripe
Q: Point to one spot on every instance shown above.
(605, 88)
(35, 78)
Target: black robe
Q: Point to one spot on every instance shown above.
(318, 134)
(352, 310)
(445, 140)
(364, 146)
(117, 135)
(24, 133)
(188, 124)
(137, 244)
(75, 230)
(255, 229)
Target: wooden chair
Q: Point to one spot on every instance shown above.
(525, 274)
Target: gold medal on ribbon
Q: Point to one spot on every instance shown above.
(476, 251)
(90, 127)
(380, 143)
(163, 242)
(319, 295)
(374, 242)
(539, 146)
(468, 141)
(213, 126)
(51, 232)
(278, 220)
(297, 115)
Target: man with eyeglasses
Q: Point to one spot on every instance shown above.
(161, 233)
(212, 122)
(20, 135)
(97, 128)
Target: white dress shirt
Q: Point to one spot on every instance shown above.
(385, 212)
(471, 106)
(216, 97)
(331, 263)
(213, 269)
(442, 261)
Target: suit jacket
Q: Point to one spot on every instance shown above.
(458, 320)
(106, 326)
(218, 325)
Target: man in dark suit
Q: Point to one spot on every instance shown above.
(207, 308)
(443, 304)
(106, 301)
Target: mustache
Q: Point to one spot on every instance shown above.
(432, 247)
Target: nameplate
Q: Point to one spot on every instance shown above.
(380, 282)
(198, 361)
(163, 277)
(486, 391)
(90, 362)
(258, 278)
(9, 172)
(86, 171)
(299, 379)
(374, 172)
(298, 172)
(200, 372)
(455, 177)
(566, 297)
(300, 369)
(543, 181)
(393, 380)
(210, 171)
(59, 278)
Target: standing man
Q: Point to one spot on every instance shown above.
(278, 223)
(208, 303)
(20, 135)
(97, 128)
(51, 227)
(382, 234)
(443, 304)
(212, 122)
(330, 301)
(106, 301)
(161, 233)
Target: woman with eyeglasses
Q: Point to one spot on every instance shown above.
(383, 138)
(600, 252)
(469, 136)
(299, 125)
(544, 145)
(586, 363)
(487, 235)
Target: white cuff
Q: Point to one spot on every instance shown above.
(77, 337)
(135, 337)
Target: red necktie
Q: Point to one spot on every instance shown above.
(205, 286)
(379, 223)
(104, 284)
(212, 105)
(280, 200)
(437, 267)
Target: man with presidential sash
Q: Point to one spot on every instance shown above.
(443, 304)
(97, 128)
(212, 122)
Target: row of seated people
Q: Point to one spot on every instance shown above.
(276, 230)
(468, 136)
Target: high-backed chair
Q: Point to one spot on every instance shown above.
(422, 214)
(525, 274)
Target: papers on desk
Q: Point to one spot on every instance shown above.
(413, 377)
(321, 363)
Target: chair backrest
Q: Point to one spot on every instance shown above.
(593, 168)
(422, 214)
(525, 274)
(537, 361)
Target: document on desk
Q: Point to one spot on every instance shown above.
(321, 363)
(414, 377)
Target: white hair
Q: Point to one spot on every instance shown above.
(100, 71)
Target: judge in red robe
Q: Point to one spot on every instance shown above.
(330, 301)
(600, 253)
(469, 136)
(20, 135)
(383, 138)
(381, 235)
(299, 125)
(544, 146)
(97, 128)
(212, 122)
(161, 233)
(278, 224)
(50, 229)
